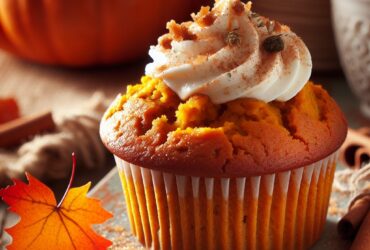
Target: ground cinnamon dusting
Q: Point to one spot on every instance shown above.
(334, 209)
(233, 38)
(163, 67)
(123, 239)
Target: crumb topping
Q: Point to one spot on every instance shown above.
(151, 126)
(180, 32)
(165, 41)
(204, 17)
(199, 112)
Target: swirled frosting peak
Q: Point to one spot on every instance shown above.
(229, 52)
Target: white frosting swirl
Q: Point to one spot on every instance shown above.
(210, 65)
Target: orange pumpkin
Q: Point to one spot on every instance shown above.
(86, 32)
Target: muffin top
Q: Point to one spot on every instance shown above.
(226, 95)
(151, 126)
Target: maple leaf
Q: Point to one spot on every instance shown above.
(44, 224)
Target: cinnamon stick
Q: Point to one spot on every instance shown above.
(362, 240)
(16, 131)
(356, 149)
(9, 110)
(351, 222)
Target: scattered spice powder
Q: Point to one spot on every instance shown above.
(233, 38)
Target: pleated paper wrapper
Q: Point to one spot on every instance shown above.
(286, 210)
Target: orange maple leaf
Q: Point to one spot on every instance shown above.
(45, 224)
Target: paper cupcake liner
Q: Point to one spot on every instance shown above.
(285, 210)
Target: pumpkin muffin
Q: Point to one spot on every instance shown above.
(225, 144)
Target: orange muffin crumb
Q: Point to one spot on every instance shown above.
(150, 126)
